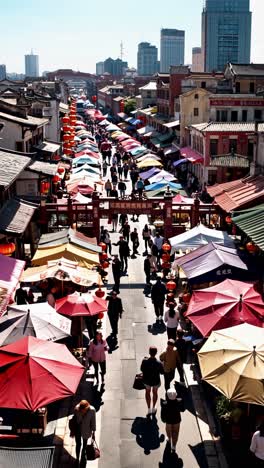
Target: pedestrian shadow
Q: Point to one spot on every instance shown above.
(112, 343)
(97, 400)
(198, 452)
(170, 460)
(157, 328)
(147, 434)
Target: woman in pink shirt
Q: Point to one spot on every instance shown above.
(97, 355)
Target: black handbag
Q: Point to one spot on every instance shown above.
(138, 382)
(92, 451)
(73, 426)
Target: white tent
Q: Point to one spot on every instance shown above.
(162, 175)
(198, 236)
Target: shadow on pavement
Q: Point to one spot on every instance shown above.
(112, 343)
(170, 460)
(198, 451)
(147, 433)
(157, 328)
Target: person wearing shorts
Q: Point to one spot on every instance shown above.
(151, 369)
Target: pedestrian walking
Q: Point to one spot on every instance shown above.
(146, 234)
(123, 219)
(126, 231)
(158, 242)
(151, 369)
(122, 188)
(114, 160)
(125, 167)
(257, 446)
(147, 269)
(96, 355)
(105, 237)
(104, 168)
(114, 192)
(171, 360)
(114, 178)
(85, 427)
(124, 252)
(116, 270)
(133, 177)
(135, 242)
(158, 294)
(171, 318)
(120, 171)
(115, 311)
(108, 187)
(140, 187)
(21, 296)
(114, 221)
(171, 414)
(181, 345)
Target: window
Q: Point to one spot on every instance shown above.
(213, 147)
(196, 112)
(234, 116)
(232, 146)
(203, 84)
(252, 87)
(250, 149)
(244, 115)
(238, 87)
(196, 96)
(257, 114)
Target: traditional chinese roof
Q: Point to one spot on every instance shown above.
(251, 222)
(15, 216)
(43, 167)
(227, 127)
(30, 121)
(11, 165)
(229, 160)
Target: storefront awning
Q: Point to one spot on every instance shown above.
(230, 160)
(176, 123)
(122, 115)
(191, 155)
(48, 147)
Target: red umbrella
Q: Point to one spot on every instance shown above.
(225, 305)
(79, 305)
(122, 137)
(34, 373)
(88, 153)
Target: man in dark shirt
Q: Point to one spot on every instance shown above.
(124, 252)
(21, 296)
(116, 269)
(147, 269)
(158, 294)
(151, 369)
(115, 310)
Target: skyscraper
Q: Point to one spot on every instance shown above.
(172, 43)
(32, 65)
(2, 72)
(147, 59)
(226, 33)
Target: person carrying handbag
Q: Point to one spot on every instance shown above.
(171, 415)
(85, 427)
(96, 355)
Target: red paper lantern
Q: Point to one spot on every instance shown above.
(66, 137)
(171, 285)
(55, 179)
(44, 187)
(228, 220)
(103, 246)
(122, 106)
(166, 266)
(67, 151)
(166, 247)
(186, 298)
(60, 170)
(165, 257)
(66, 128)
(94, 99)
(65, 119)
(99, 292)
(7, 249)
(251, 248)
(100, 315)
(103, 256)
(105, 265)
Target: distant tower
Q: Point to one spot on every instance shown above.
(121, 50)
(32, 65)
(172, 46)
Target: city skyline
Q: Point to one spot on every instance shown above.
(62, 41)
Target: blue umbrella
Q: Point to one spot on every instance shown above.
(158, 185)
(85, 160)
(139, 150)
(180, 161)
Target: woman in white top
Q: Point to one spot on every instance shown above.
(171, 319)
(257, 446)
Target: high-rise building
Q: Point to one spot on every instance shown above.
(115, 67)
(2, 72)
(32, 65)
(172, 44)
(147, 59)
(100, 68)
(197, 59)
(226, 33)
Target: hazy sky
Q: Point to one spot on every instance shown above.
(77, 34)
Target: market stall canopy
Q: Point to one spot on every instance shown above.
(149, 163)
(225, 305)
(161, 184)
(69, 235)
(161, 191)
(191, 155)
(232, 361)
(88, 153)
(10, 273)
(112, 128)
(162, 175)
(84, 257)
(139, 150)
(212, 262)
(80, 305)
(147, 156)
(85, 160)
(198, 236)
(85, 186)
(34, 373)
(180, 200)
(148, 174)
(39, 320)
(62, 270)
(86, 167)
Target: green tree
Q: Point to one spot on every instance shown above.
(130, 105)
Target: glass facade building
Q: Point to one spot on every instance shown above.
(172, 47)
(226, 33)
(147, 59)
